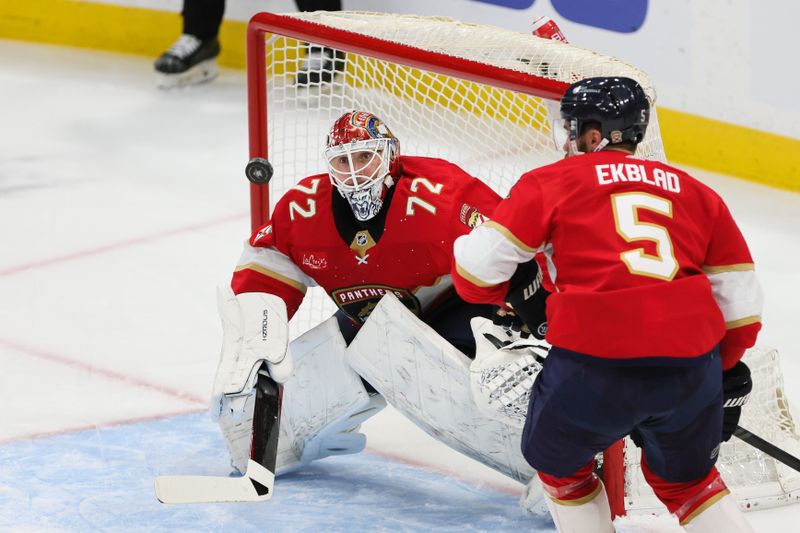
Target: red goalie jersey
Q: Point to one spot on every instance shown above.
(313, 239)
(646, 261)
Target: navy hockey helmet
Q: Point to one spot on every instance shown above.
(618, 104)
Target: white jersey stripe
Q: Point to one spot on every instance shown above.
(487, 256)
(738, 295)
(510, 236)
(273, 263)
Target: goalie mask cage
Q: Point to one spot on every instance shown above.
(477, 96)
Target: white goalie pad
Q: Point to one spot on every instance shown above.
(427, 380)
(324, 403)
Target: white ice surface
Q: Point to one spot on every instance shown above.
(121, 208)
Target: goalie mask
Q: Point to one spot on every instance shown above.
(619, 105)
(363, 160)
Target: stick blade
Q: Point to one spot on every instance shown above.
(255, 485)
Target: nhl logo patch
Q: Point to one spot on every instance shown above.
(362, 242)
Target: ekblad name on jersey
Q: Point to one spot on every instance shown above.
(632, 246)
(313, 239)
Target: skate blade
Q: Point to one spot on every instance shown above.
(202, 72)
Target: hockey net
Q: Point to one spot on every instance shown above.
(757, 480)
(475, 95)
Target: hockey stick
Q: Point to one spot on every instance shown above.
(768, 448)
(257, 482)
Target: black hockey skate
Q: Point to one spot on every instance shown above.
(189, 61)
(319, 66)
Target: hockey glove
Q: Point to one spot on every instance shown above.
(502, 373)
(736, 387)
(510, 321)
(528, 298)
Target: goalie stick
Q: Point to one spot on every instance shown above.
(258, 480)
(768, 448)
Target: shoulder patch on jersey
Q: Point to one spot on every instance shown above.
(470, 216)
(263, 232)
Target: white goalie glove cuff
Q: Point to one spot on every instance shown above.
(502, 373)
(255, 329)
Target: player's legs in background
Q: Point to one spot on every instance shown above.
(202, 18)
(319, 5)
(191, 59)
(320, 64)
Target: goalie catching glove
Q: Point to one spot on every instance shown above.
(255, 330)
(502, 373)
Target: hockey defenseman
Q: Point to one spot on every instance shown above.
(655, 302)
(376, 233)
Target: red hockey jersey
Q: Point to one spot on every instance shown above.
(646, 260)
(314, 239)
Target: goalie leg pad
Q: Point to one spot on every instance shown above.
(427, 380)
(324, 403)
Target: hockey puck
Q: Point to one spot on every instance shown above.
(258, 171)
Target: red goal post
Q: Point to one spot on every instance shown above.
(477, 96)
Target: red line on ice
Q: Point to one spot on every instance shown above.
(9, 271)
(111, 423)
(111, 374)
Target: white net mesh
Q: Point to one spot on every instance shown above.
(495, 134)
(757, 480)
(492, 133)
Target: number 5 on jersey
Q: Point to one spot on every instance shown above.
(626, 208)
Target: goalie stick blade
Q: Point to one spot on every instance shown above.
(259, 479)
(255, 485)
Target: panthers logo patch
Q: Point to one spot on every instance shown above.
(359, 301)
(470, 216)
